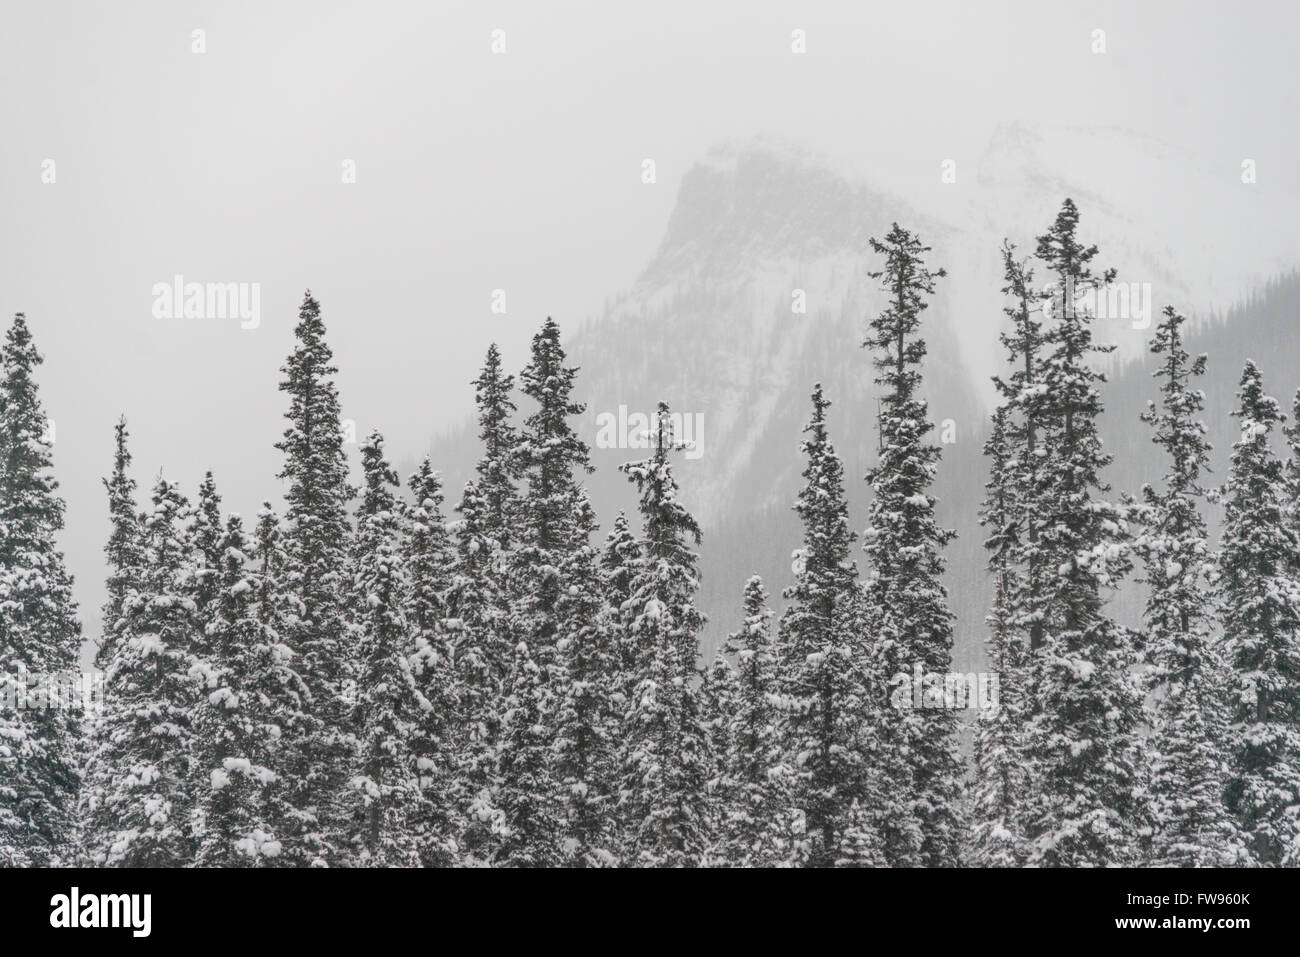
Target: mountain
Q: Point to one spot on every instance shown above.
(709, 325)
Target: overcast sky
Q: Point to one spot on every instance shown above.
(478, 171)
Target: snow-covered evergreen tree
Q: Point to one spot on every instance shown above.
(907, 602)
(526, 796)
(206, 534)
(1000, 776)
(39, 633)
(824, 672)
(1079, 743)
(386, 716)
(717, 710)
(619, 559)
(251, 697)
(757, 828)
(554, 460)
(315, 576)
(429, 558)
(475, 629)
(663, 755)
(587, 714)
(1184, 754)
(500, 467)
(124, 555)
(143, 771)
(1261, 620)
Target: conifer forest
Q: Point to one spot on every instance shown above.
(376, 670)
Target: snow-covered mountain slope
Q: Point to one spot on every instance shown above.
(711, 324)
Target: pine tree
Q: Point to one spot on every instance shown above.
(386, 716)
(206, 535)
(718, 704)
(823, 667)
(757, 830)
(1261, 616)
(586, 709)
(316, 552)
(1017, 561)
(663, 757)
(619, 560)
(553, 458)
(124, 554)
(39, 633)
(1185, 680)
(429, 558)
(1079, 744)
(124, 551)
(500, 468)
(907, 602)
(525, 790)
(475, 627)
(1000, 778)
(252, 696)
(143, 760)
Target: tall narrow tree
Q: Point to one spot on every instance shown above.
(758, 828)
(429, 558)
(1185, 682)
(252, 696)
(907, 601)
(386, 715)
(316, 552)
(1000, 777)
(39, 633)
(1261, 621)
(823, 665)
(145, 810)
(663, 757)
(1079, 744)
(586, 709)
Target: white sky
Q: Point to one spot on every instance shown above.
(478, 171)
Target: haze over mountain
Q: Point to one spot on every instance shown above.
(710, 324)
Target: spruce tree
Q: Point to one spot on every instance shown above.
(619, 558)
(206, 533)
(553, 458)
(251, 698)
(663, 756)
(587, 711)
(40, 635)
(315, 576)
(145, 813)
(386, 716)
(429, 557)
(1079, 744)
(1185, 681)
(718, 703)
(824, 671)
(757, 829)
(500, 467)
(1000, 776)
(124, 555)
(475, 628)
(1261, 616)
(526, 796)
(907, 602)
